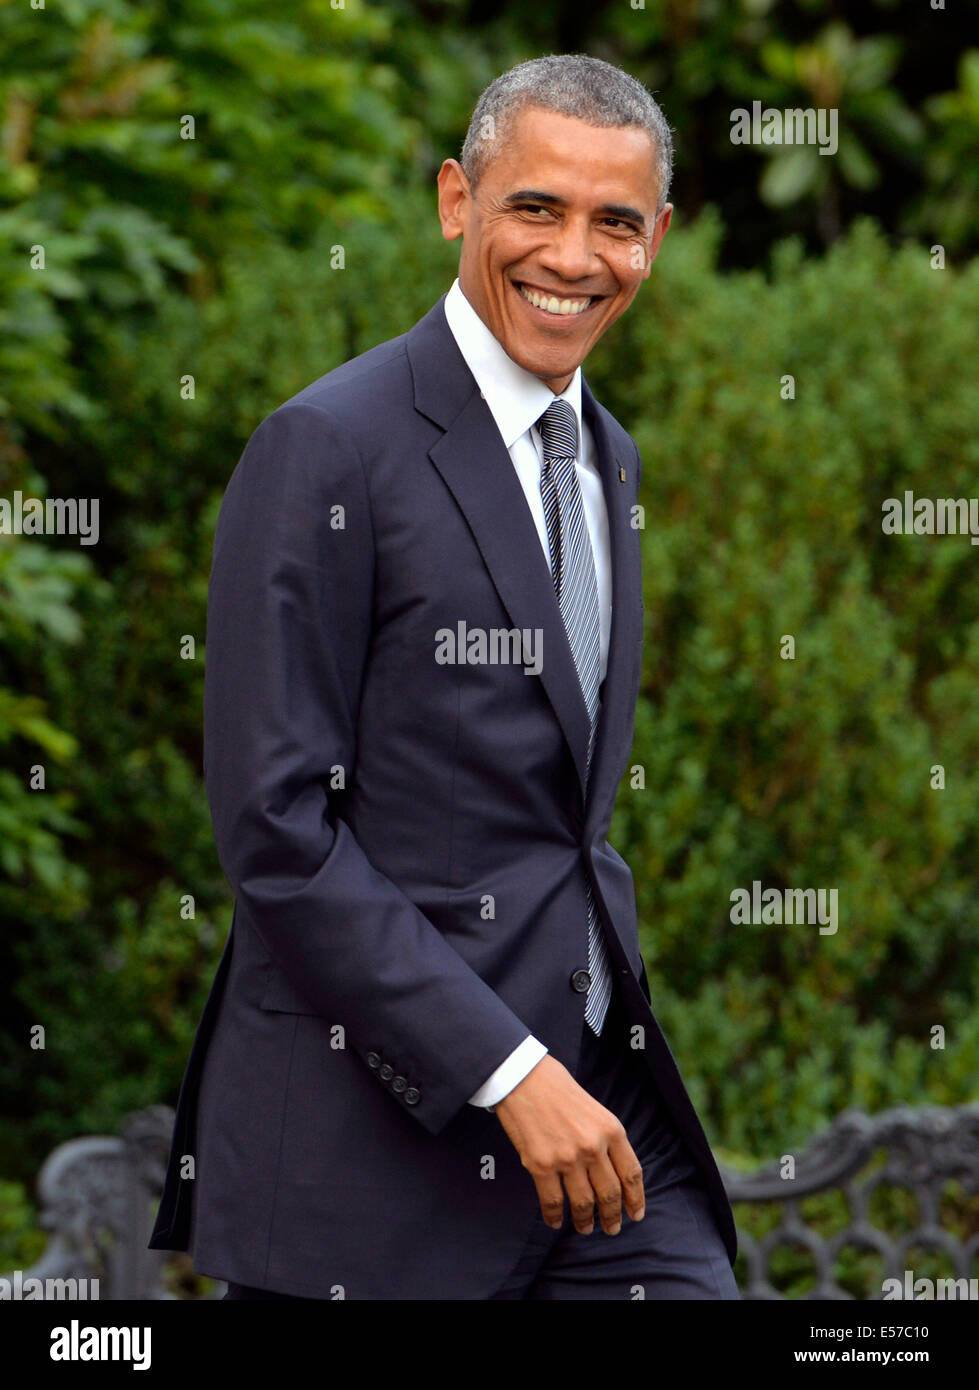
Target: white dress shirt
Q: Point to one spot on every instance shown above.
(516, 399)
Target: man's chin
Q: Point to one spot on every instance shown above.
(547, 368)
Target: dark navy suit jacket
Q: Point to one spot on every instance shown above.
(407, 841)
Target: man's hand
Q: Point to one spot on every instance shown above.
(561, 1132)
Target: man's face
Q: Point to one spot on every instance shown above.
(564, 212)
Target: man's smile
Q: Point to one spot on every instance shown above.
(548, 304)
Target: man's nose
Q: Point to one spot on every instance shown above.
(571, 254)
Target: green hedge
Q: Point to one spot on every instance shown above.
(763, 518)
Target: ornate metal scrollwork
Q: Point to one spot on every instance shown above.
(917, 1149)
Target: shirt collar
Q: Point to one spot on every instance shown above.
(515, 397)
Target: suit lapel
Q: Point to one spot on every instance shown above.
(477, 468)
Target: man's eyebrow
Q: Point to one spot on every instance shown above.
(627, 213)
(534, 195)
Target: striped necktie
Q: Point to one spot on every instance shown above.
(573, 572)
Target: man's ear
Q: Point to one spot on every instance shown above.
(660, 228)
(455, 195)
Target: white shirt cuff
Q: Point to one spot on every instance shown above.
(509, 1073)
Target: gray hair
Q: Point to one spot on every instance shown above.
(573, 84)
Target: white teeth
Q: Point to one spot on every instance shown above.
(552, 305)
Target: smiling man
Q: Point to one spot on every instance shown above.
(551, 254)
(428, 1066)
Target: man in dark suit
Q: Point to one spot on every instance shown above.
(428, 1062)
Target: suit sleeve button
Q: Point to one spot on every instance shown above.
(373, 1061)
(398, 1084)
(412, 1096)
(386, 1072)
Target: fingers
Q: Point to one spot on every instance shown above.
(629, 1171)
(550, 1194)
(596, 1184)
(608, 1180)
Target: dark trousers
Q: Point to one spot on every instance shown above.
(674, 1252)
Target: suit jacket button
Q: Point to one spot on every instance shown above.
(412, 1096)
(398, 1084)
(580, 981)
(373, 1060)
(386, 1072)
